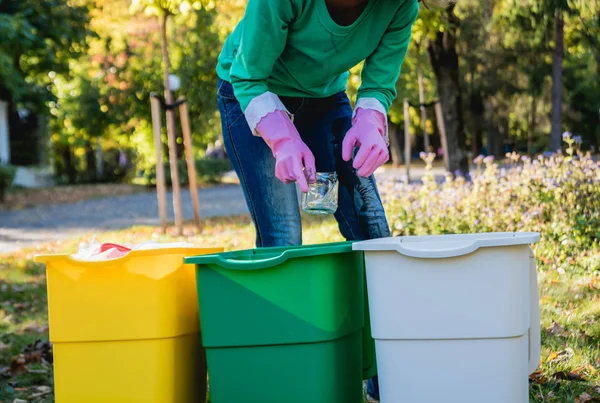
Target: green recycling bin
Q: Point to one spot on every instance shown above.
(286, 324)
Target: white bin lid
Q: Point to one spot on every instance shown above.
(446, 246)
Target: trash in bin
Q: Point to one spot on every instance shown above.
(96, 251)
(454, 316)
(126, 330)
(284, 324)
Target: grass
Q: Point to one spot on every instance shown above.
(570, 315)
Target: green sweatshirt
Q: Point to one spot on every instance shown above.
(294, 48)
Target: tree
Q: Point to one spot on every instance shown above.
(164, 9)
(444, 61)
(39, 39)
(557, 72)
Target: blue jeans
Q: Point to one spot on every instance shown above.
(322, 124)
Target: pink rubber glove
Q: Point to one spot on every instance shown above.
(292, 156)
(368, 133)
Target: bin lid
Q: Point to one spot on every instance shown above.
(446, 246)
(264, 258)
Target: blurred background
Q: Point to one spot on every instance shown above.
(76, 78)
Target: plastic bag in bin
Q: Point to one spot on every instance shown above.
(96, 251)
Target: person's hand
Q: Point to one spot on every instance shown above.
(292, 156)
(367, 133)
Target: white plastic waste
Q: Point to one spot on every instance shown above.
(97, 251)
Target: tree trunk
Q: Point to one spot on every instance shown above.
(495, 139)
(444, 60)
(531, 131)
(395, 144)
(557, 62)
(426, 144)
(90, 163)
(171, 136)
(69, 165)
(478, 111)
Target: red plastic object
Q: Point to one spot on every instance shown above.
(106, 246)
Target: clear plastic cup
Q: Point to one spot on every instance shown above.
(322, 196)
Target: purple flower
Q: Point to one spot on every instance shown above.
(422, 155)
(478, 159)
(548, 154)
(567, 135)
(577, 139)
(489, 159)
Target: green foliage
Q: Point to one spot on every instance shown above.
(38, 37)
(558, 196)
(106, 96)
(96, 71)
(7, 174)
(505, 51)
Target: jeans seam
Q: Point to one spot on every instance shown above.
(301, 105)
(341, 211)
(244, 181)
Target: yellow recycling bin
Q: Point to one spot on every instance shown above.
(126, 330)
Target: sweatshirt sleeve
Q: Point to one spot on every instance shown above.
(382, 68)
(262, 40)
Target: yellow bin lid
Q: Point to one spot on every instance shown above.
(146, 294)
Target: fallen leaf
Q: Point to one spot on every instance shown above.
(583, 398)
(33, 329)
(561, 355)
(17, 365)
(569, 376)
(37, 352)
(41, 391)
(556, 330)
(588, 368)
(538, 377)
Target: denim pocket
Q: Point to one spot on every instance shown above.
(225, 90)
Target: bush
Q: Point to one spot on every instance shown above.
(114, 169)
(208, 171)
(556, 195)
(7, 175)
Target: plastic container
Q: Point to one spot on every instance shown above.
(285, 324)
(322, 195)
(455, 318)
(126, 330)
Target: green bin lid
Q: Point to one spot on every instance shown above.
(264, 258)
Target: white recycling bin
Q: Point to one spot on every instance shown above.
(455, 318)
